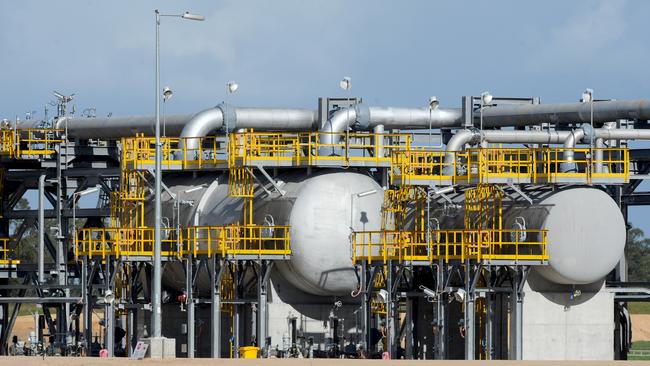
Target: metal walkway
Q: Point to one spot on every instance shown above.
(511, 165)
(408, 165)
(231, 241)
(516, 247)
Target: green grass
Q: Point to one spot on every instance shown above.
(639, 307)
(29, 309)
(641, 345)
(637, 358)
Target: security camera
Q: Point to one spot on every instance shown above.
(429, 293)
(459, 295)
(382, 295)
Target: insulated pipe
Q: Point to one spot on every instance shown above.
(276, 119)
(598, 154)
(604, 111)
(118, 127)
(622, 134)
(280, 119)
(526, 137)
(473, 137)
(500, 115)
(569, 144)
(362, 117)
(600, 145)
(336, 124)
(408, 118)
(379, 141)
(568, 138)
(457, 143)
(602, 134)
(199, 126)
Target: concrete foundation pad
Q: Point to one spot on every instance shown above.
(86, 361)
(161, 347)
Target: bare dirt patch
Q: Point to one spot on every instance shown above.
(640, 327)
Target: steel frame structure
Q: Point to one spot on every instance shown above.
(66, 284)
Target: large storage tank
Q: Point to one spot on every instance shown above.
(321, 209)
(586, 231)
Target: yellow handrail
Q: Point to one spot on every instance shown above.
(520, 165)
(6, 254)
(267, 148)
(229, 240)
(481, 245)
(29, 142)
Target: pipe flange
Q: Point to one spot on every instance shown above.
(362, 121)
(590, 132)
(229, 116)
(477, 137)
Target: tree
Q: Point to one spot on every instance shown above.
(637, 253)
(27, 249)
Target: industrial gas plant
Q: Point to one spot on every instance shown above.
(491, 230)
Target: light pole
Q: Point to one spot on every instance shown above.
(486, 100)
(588, 97)
(75, 197)
(84, 288)
(157, 268)
(346, 84)
(433, 104)
(167, 95)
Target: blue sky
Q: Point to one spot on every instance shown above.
(288, 53)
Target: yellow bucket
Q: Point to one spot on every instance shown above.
(248, 352)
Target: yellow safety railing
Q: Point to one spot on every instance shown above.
(29, 142)
(313, 148)
(234, 240)
(6, 253)
(140, 151)
(584, 165)
(8, 142)
(103, 242)
(516, 164)
(266, 148)
(412, 166)
(480, 245)
(519, 165)
(229, 240)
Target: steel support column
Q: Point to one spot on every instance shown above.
(408, 329)
(516, 318)
(367, 281)
(262, 309)
(390, 312)
(63, 311)
(235, 327)
(41, 228)
(218, 268)
(109, 312)
(469, 313)
(189, 288)
(85, 301)
(489, 325)
(521, 275)
(440, 311)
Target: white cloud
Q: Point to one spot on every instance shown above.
(591, 31)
